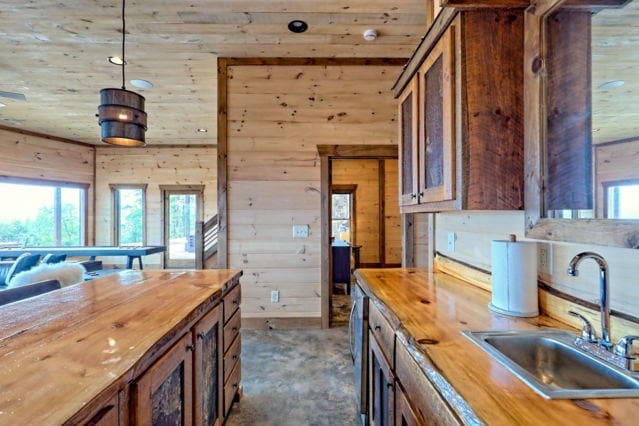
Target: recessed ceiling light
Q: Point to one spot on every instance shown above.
(141, 84)
(202, 130)
(297, 26)
(116, 60)
(612, 84)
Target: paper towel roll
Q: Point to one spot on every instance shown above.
(514, 278)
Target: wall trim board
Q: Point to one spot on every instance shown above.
(45, 136)
(328, 153)
(222, 164)
(281, 323)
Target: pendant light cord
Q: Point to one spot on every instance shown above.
(123, 39)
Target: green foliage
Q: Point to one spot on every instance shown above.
(41, 230)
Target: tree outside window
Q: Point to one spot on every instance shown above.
(41, 213)
(129, 215)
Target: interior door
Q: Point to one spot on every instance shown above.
(182, 233)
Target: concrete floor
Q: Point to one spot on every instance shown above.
(296, 377)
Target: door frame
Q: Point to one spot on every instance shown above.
(198, 190)
(328, 153)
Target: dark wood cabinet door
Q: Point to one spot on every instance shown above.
(381, 386)
(437, 122)
(408, 140)
(404, 414)
(163, 395)
(208, 359)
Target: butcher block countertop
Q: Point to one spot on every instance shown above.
(433, 309)
(60, 350)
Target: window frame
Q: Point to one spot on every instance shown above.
(84, 202)
(350, 190)
(115, 211)
(606, 193)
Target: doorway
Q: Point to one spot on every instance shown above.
(355, 177)
(182, 207)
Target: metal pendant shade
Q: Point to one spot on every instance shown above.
(121, 113)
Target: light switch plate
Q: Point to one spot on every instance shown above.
(300, 231)
(275, 296)
(544, 258)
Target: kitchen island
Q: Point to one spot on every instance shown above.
(114, 349)
(438, 376)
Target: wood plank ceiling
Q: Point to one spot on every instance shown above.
(55, 52)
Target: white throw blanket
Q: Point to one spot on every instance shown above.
(66, 273)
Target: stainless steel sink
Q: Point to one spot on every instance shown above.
(550, 363)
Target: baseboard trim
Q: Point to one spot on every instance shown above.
(281, 323)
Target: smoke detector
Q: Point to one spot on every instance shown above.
(370, 35)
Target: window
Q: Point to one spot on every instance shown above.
(42, 213)
(622, 200)
(342, 215)
(129, 215)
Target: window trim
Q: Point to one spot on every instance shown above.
(115, 211)
(84, 202)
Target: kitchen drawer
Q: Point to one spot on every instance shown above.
(231, 387)
(383, 332)
(427, 404)
(232, 329)
(232, 303)
(231, 357)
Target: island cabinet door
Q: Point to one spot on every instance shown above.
(208, 363)
(381, 386)
(404, 414)
(164, 394)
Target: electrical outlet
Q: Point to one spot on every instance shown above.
(300, 231)
(544, 258)
(451, 241)
(275, 296)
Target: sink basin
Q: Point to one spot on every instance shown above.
(550, 363)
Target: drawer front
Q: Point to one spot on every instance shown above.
(232, 357)
(383, 332)
(232, 387)
(232, 329)
(426, 403)
(232, 302)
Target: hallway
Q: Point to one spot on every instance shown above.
(296, 377)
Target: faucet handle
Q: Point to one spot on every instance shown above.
(587, 332)
(624, 346)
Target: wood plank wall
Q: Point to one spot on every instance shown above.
(392, 219)
(364, 174)
(155, 167)
(277, 115)
(475, 230)
(39, 157)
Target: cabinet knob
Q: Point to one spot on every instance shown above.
(378, 327)
(235, 385)
(189, 348)
(421, 194)
(234, 328)
(413, 195)
(234, 357)
(389, 385)
(235, 301)
(200, 336)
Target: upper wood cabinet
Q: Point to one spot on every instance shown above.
(468, 73)
(408, 141)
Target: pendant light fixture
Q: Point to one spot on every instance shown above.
(121, 113)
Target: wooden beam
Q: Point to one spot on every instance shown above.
(326, 258)
(408, 241)
(381, 179)
(315, 61)
(222, 170)
(45, 136)
(474, 4)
